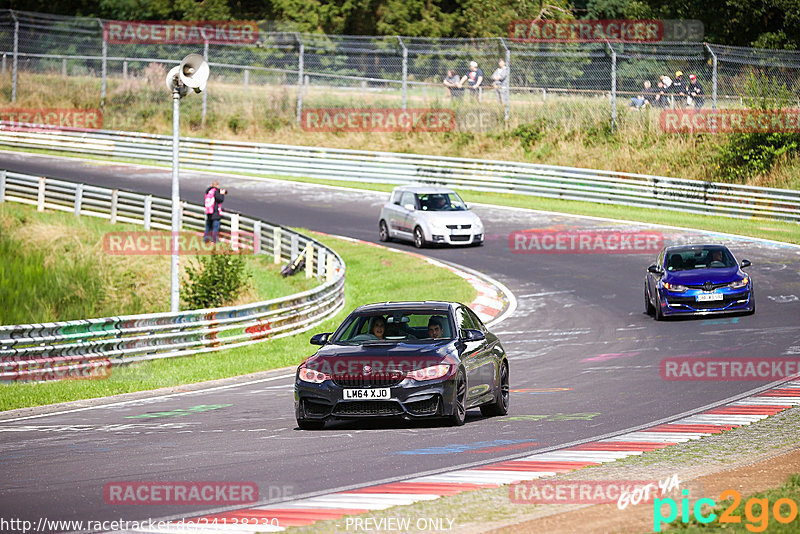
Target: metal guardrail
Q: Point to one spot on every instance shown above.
(607, 187)
(88, 348)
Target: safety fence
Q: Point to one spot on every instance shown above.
(607, 187)
(89, 348)
(569, 83)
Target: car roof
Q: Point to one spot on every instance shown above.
(423, 189)
(433, 305)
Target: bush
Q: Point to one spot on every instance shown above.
(214, 280)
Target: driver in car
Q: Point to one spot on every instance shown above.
(435, 327)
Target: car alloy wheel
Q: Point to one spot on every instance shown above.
(383, 232)
(419, 237)
(459, 415)
(500, 404)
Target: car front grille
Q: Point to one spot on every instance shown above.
(424, 407)
(709, 288)
(459, 227)
(380, 380)
(459, 238)
(368, 408)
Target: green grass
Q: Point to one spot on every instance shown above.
(756, 512)
(373, 275)
(55, 268)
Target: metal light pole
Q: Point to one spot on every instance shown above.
(191, 73)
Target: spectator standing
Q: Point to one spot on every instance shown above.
(500, 81)
(213, 198)
(679, 89)
(453, 84)
(474, 79)
(661, 98)
(695, 92)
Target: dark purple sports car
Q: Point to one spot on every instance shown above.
(403, 359)
(697, 280)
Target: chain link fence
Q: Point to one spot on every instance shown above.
(573, 84)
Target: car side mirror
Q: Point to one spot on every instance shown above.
(409, 207)
(320, 339)
(655, 269)
(746, 263)
(470, 334)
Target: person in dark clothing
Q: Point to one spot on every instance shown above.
(695, 91)
(679, 89)
(213, 198)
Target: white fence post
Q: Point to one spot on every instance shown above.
(257, 237)
(148, 212)
(234, 231)
(114, 201)
(276, 245)
(2, 186)
(321, 263)
(309, 260)
(40, 200)
(78, 199)
(329, 270)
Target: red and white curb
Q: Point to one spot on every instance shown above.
(273, 518)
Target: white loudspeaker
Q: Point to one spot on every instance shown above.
(172, 77)
(193, 72)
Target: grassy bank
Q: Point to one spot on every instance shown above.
(373, 275)
(55, 268)
(562, 130)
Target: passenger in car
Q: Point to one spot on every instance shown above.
(378, 328)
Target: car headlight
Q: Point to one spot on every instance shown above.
(739, 284)
(313, 376)
(429, 373)
(677, 288)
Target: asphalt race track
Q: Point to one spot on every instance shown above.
(584, 363)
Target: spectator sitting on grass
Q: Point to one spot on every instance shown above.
(645, 98)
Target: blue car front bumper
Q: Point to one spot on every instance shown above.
(687, 303)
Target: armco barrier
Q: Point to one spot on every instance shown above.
(708, 198)
(80, 348)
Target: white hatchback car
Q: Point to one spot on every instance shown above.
(429, 215)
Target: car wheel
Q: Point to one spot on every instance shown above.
(648, 308)
(383, 232)
(500, 404)
(658, 314)
(310, 424)
(751, 312)
(419, 237)
(459, 415)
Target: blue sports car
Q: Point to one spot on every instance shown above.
(697, 280)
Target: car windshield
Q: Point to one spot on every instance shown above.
(441, 202)
(393, 327)
(699, 258)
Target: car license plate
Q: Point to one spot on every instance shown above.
(367, 394)
(705, 297)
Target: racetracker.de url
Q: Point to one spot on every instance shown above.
(61, 525)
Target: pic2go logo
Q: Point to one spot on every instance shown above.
(756, 511)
